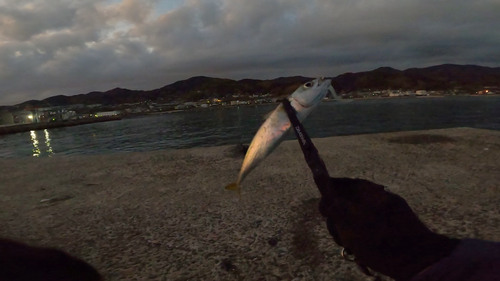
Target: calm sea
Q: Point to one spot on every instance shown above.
(231, 125)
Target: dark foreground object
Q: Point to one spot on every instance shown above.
(384, 234)
(40, 126)
(472, 260)
(20, 262)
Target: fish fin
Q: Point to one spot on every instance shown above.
(234, 186)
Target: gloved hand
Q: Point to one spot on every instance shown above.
(380, 229)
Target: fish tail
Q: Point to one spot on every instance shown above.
(234, 186)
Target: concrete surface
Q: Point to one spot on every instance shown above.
(165, 215)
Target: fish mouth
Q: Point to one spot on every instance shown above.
(328, 82)
(320, 86)
(322, 79)
(322, 82)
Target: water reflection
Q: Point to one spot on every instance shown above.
(34, 140)
(36, 144)
(47, 143)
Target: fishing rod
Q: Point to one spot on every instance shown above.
(314, 161)
(321, 176)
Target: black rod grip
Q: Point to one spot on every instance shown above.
(314, 161)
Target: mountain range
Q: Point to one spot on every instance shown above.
(467, 78)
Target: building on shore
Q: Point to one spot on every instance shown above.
(190, 104)
(68, 115)
(6, 118)
(421, 93)
(395, 93)
(24, 117)
(107, 113)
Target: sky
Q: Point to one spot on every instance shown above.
(68, 47)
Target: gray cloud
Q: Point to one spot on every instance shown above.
(69, 47)
(28, 19)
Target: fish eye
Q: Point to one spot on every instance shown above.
(308, 85)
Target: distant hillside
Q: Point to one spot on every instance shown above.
(196, 88)
(442, 77)
(192, 89)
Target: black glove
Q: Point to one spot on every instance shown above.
(380, 229)
(377, 226)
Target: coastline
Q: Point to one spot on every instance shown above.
(277, 103)
(19, 128)
(165, 215)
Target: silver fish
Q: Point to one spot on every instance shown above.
(304, 100)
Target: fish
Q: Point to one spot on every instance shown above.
(275, 127)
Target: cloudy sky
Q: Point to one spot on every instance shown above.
(50, 47)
